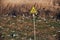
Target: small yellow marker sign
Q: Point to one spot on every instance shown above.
(33, 10)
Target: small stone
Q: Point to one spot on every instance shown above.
(39, 20)
(44, 19)
(30, 39)
(58, 31)
(52, 27)
(4, 18)
(13, 31)
(58, 20)
(12, 39)
(14, 35)
(13, 23)
(14, 16)
(6, 15)
(8, 35)
(51, 16)
(8, 18)
(19, 20)
(54, 35)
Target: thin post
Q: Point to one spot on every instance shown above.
(34, 27)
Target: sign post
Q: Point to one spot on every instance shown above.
(34, 12)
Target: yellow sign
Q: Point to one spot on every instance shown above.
(33, 10)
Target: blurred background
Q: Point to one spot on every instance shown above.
(16, 21)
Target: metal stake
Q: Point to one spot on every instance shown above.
(34, 27)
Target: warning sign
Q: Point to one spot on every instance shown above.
(33, 10)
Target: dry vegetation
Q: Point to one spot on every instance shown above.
(16, 22)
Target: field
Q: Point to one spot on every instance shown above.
(16, 21)
(21, 28)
